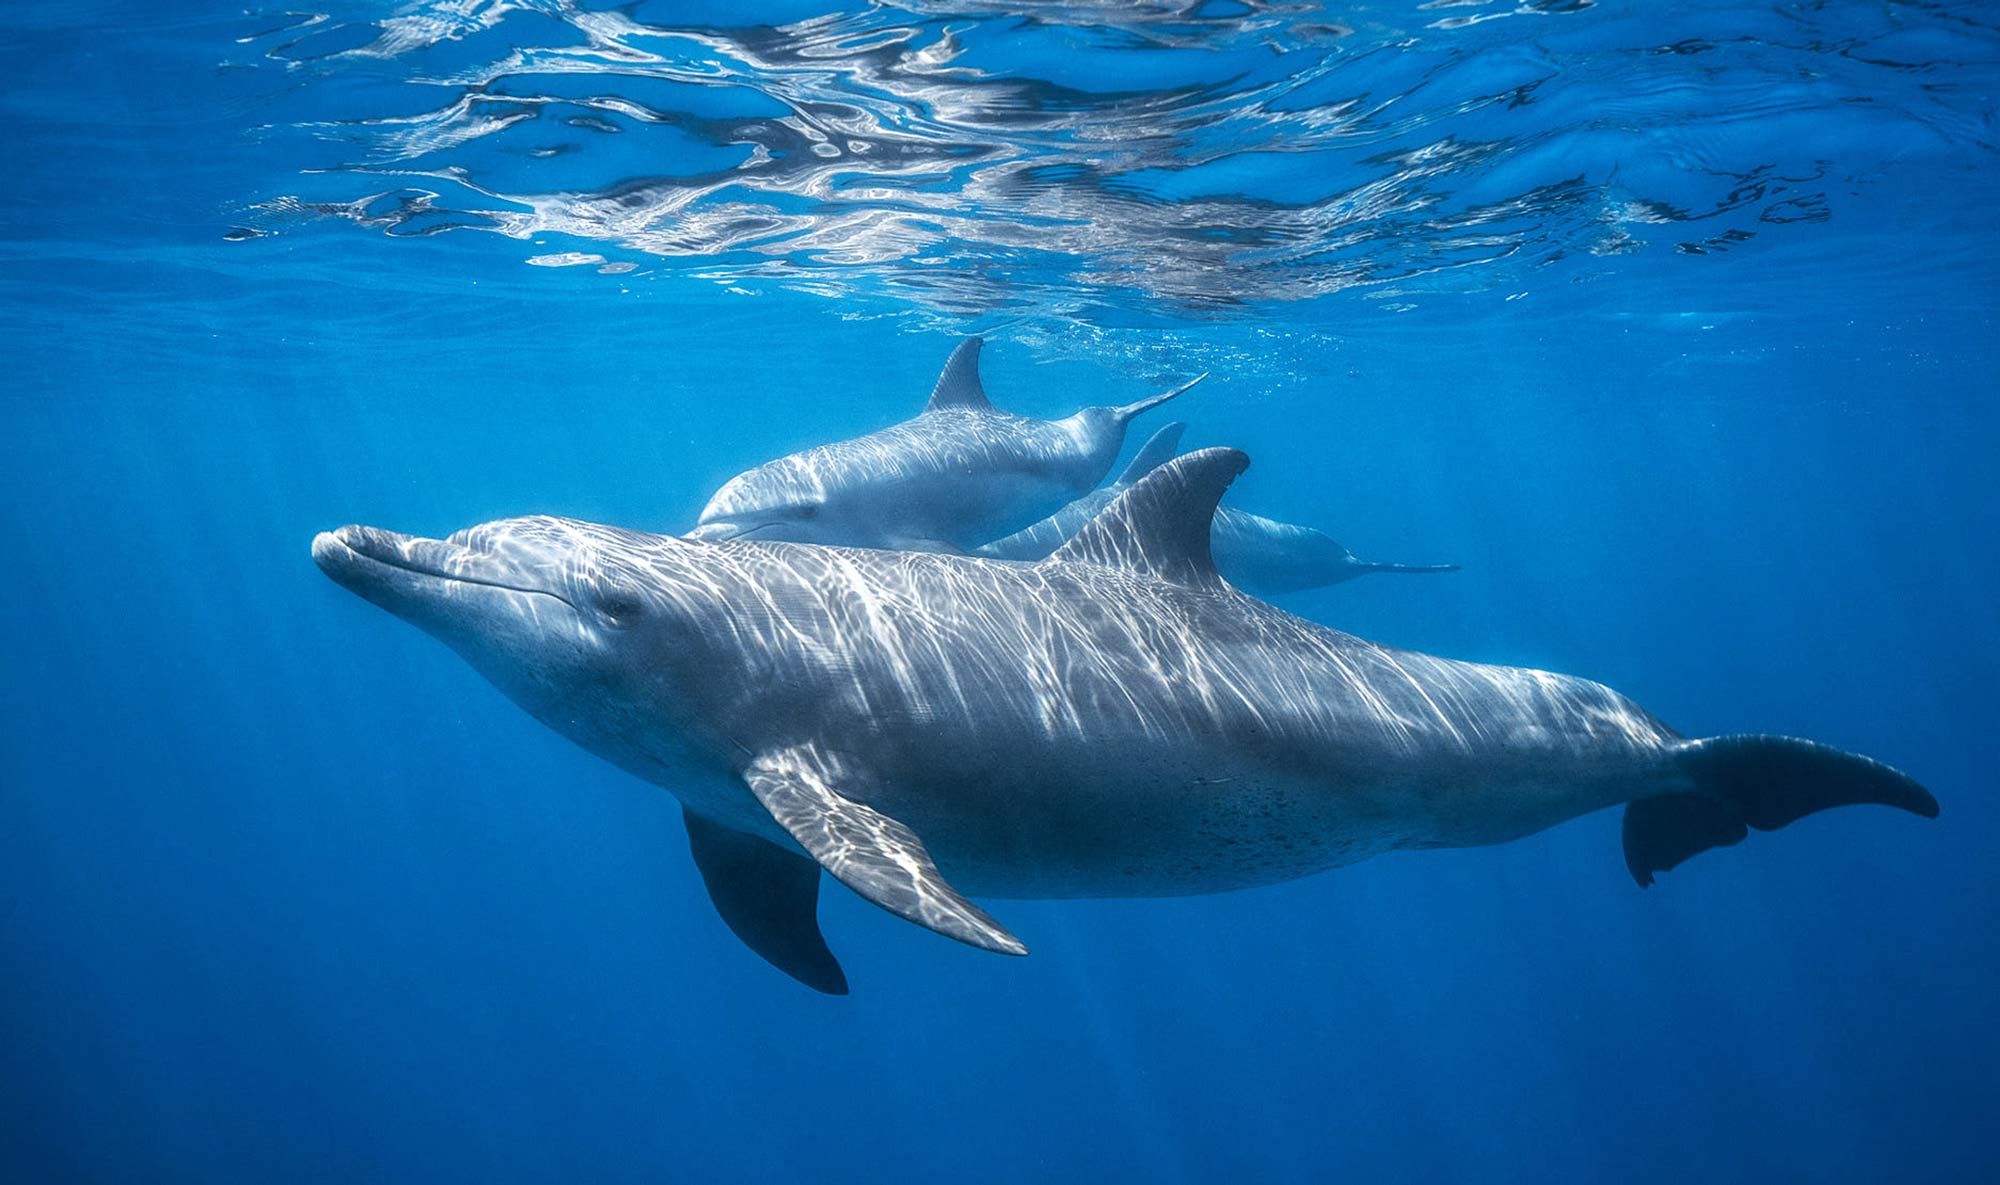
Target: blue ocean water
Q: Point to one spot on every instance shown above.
(1674, 325)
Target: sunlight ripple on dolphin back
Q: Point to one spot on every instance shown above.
(1112, 721)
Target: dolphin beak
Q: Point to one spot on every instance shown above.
(722, 530)
(352, 549)
(716, 532)
(347, 550)
(459, 589)
(408, 575)
(385, 567)
(1130, 410)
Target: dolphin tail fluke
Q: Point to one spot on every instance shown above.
(1130, 410)
(1762, 782)
(1376, 566)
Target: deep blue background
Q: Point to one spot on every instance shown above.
(290, 894)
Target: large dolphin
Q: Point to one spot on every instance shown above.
(1113, 721)
(959, 474)
(1259, 555)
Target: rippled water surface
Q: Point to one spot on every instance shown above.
(1114, 158)
(1671, 325)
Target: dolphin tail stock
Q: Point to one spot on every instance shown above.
(1127, 412)
(1379, 566)
(1762, 782)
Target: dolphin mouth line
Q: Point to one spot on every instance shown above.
(405, 564)
(725, 531)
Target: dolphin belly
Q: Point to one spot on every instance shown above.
(1221, 801)
(965, 510)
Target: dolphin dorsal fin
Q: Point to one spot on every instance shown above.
(959, 385)
(1153, 454)
(1161, 525)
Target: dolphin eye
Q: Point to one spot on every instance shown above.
(809, 510)
(620, 606)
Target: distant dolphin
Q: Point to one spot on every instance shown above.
(957, 475)
(1256, 554)
(1112, 721)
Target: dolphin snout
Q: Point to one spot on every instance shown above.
(716, 531)
(328, 547)
(367, 542)
(354, 555)
(725, 529)
(364, 560)
(345, 548)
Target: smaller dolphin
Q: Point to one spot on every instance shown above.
(959, 474)
(1261, 556)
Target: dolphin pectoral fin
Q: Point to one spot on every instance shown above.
(865, 849)
(1738, 783)
(769, 898)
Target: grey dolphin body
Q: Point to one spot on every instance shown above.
(1256, 554)
(959, 474)
(1112, 721)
